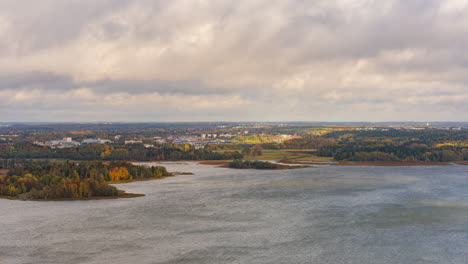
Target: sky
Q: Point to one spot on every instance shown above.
(224, 60)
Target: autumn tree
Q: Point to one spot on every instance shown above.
(119, 173)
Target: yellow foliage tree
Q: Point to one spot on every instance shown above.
(107, 151)
(119, 173)
(186, 147)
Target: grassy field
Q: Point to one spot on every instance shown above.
(281, 154)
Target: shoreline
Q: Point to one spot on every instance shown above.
(173, 174)
(225, 164)
(380, 163)
(220, 163)
(121, 196)
(139, 180)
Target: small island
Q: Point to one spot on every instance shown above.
(254, 164)
(35, 180)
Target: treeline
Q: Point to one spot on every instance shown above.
(352, 152)
(136, 152)
(395, 145)
(426, 135)
(246, 164)
(72, 180)
(13, 163)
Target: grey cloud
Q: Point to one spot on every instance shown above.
(62, 83)
(187, 87)
(271, 57)
(33, 80)
(41, 25)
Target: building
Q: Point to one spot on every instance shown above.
(133, 142)
(60, 143)
(95, 141)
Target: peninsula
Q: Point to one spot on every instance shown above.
(43, 180)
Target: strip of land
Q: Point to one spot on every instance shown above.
(227, 164)
(120, 196)
(379, 163)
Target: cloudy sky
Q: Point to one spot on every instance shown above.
(243, 60)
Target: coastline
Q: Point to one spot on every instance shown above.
(121, 196)
(378, 163)
(139, 180)
(225, 164)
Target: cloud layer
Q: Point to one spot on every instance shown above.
(274, 60)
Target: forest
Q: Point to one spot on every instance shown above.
(113, 152)
(43, 180)
(388, 145)
(340, 142)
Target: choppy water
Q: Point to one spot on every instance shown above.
(315, 215)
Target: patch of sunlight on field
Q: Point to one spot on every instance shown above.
(315, 158)
(278, 154)
(269, 154)
(272, 154)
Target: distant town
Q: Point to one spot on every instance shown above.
(197, 135)
(196, 141)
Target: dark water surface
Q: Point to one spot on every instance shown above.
(314, 215)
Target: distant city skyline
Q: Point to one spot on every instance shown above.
(220, 60)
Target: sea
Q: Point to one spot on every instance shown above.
(322, 214)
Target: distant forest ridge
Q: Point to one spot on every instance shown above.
(135, 152)
(391, 141)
